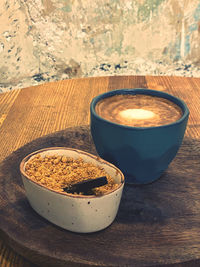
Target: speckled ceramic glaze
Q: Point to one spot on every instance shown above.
(77, 213)
(141, 153)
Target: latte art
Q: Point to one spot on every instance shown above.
(138, 110)
(137, 114)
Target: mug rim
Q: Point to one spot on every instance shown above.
(143, 91)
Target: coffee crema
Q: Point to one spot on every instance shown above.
(138, 110)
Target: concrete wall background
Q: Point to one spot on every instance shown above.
(44, 40)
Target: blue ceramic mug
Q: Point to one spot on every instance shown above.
(142, 153)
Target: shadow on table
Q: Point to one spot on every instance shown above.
(158, 213)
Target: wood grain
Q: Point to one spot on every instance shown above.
(156, 223)
(6, 101)
(34, 112)
(185, 88)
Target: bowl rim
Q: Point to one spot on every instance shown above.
(144, 91)
(27, 157)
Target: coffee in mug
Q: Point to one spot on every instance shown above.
(138, 130)
(138, 110)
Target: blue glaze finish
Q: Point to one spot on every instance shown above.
(142, 153)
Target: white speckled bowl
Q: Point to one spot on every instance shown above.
(77, 213)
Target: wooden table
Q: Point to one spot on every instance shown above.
(30, 113)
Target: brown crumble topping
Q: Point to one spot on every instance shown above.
(57, 172)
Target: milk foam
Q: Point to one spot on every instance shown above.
(138, 110)
(136, 114)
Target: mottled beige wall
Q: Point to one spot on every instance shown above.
(43, 40)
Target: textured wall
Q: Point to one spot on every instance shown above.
(43, 40)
